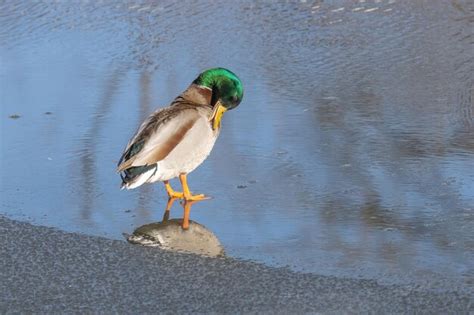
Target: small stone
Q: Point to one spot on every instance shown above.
(128, 211)
(48, 113)
(242, 186)
(14, 116)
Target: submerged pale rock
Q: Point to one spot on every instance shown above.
(170, 235)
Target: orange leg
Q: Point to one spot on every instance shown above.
(171, 192)
(187, 193)
(187, 210)
(166, 215)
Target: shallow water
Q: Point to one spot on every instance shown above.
(352, 153)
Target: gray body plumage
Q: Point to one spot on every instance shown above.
(171, 141)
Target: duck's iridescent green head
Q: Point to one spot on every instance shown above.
(225, 85)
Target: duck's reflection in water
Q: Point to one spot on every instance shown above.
(181, 235)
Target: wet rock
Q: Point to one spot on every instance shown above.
(14, 116)
(169, 235)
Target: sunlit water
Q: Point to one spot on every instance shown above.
(352, 153)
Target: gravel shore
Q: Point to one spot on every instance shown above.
(47, 270)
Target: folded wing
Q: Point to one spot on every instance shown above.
(158, 136)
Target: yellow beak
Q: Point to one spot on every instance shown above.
(216, 116)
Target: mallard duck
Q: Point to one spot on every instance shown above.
(174, 140)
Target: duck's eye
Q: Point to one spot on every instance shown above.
(235, 99)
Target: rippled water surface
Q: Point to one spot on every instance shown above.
(352, 153)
